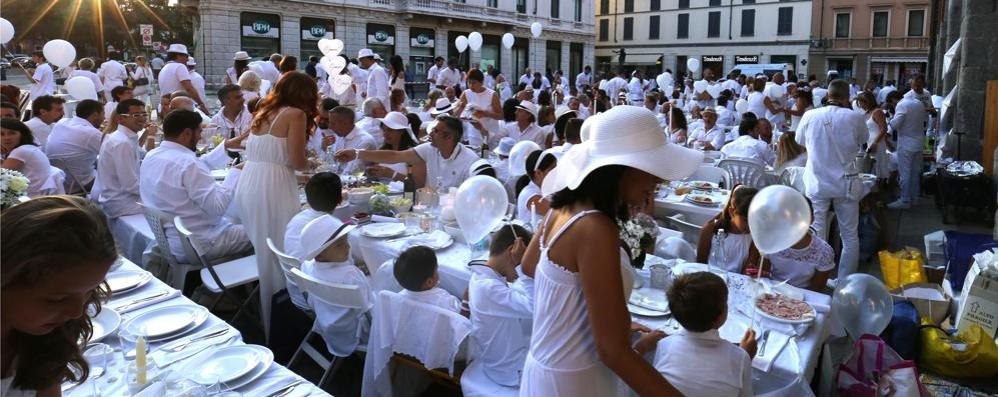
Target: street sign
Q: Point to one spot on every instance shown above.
(147, 40)
(145, 30)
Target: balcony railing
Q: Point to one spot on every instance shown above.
(873, 43)
(471, 12)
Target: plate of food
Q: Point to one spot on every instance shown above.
(784, 309)
(381, 230)
(706, 200)
(702, 185)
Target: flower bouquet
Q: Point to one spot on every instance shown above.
(638, 235)
(13, 184)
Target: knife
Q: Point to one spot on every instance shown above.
(126, 306)
(762, 344)
(285, 390)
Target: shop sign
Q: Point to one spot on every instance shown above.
(315, 33)
(261, 29)
(713, 58)
(422, 40)
(381, 37)
(744, 59)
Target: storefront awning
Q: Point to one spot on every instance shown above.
(900, 59)
(641, 59)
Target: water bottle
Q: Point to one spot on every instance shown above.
(717, 254)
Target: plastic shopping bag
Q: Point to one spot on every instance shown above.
(902, 267)
(968, 354)
(874, 369)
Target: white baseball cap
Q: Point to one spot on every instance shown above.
(241, 56)
(505, 145)
(322, 232)
(178, 48)
(624, 135)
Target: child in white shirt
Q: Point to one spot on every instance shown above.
(697, 361)
(416, 271)
(327, 258)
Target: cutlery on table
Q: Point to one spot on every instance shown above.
(285, 390)
(125, 306)
(762, 343)
(181, 345)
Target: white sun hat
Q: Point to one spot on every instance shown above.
(364, 53)
(443, 105)
(505, 145)
(555, 152)
(398, 121)
(478, 167)
(529, 107)
(177, 48)
(322, 232)
(191, 62)
(241, 56)
(624, 135)
(586, 125)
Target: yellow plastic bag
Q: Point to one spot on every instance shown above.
(969, 354)
(902, 267)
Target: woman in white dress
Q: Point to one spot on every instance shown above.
(250, 83)
(678, 124)
(140, 72)
(21, 154)
(876, 123)
(267, 194)
(582, 331)
(480, 103)
(757, 100)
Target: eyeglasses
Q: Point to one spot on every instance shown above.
(136, 115)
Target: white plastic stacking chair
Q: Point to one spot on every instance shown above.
(710, 173)
(221, 277)
(177, 271)
(691, 232)
(288, 263)
(341, 295)
(742, 172)
(793, 177)
(73, 185)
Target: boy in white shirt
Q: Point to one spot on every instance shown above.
(416, 271)
(697, 361)
(328, 259)
(501, 310)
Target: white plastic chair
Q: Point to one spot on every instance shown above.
(793, 177)
(691, 232)
(221, 277)
(742, 172)
(342, 295)
(288, 263)
(177, 271)
(73, 185)
(710, 173)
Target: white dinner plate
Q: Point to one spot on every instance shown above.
(226, 364)
(705, 200)
(266, 358)
(104, 324)
(805, 320)
(125, 281)
(638, 310)
(649, 302)
(436, 240)
(167, 322)
(702, 185)
(693, 267)
(380, 230)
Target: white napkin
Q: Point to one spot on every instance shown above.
(125, 301)
(156, 389)
(379, 218)
(777, 340)
(396, 186)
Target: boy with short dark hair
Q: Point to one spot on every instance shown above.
(697, 361)
(416, 271)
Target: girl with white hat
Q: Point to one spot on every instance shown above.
(582, 331)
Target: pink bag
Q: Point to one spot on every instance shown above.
(875, 370)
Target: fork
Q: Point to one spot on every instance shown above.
(183, 345)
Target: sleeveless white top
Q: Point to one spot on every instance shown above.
(562, 360)
(736, 250)
(757, 104)
(482, 101)
(881, 168)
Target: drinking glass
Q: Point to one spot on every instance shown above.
(127, 340)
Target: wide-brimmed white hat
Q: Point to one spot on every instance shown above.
(178, 48)
(624, 135)
(191, 62)
(443, 105)
(505, 145)
(479, 166)
(364, 53)
(322, 232)
(561, 111)
(241, 56)
(529, 107)
(555, 152)
(398, 121)
(586, 125)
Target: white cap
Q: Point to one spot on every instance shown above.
(364, 53)
(479, 166)
(178, 48)
(505, 146)
(241, 56)
(322, 232)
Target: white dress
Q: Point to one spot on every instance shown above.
(562, 360)
(482, 101)
(267, 198)
(882, 167)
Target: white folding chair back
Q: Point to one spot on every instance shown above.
(691, 232)
(73, 185)
(710, 173)
(793, 177)
(55, 183)
(157, 221)
(288, 262)
(742, 172)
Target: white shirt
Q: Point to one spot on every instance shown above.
(451, 171)
(356, 139)
(583, 79)
(113, 73)
(703, 364)
(832, 136)
(232, 128)
(434, 296)
(532, 133)
(109, 109)
(40, 131)
(797, 266)
(431, 74)
(76, 142)
(778, 102)
(636, 89)
(757, 104)
(909, 122)
(170, 77)
(489, 81)
(817, 94)
(173, 180)
(377, 83)
(448, 77)
(198, 82)
(98, 86)
(270, 72)
(523, 213)
(44, 82)
(733, 86)
(118, 172)
(614, 86)
(882, 95)
(292, 233)
(36, 167)
(372, 127)
(157, 63)
(498, 315)
(527, 79)
(341, 328)
(728, 118)
(715, 135)
(748, 148)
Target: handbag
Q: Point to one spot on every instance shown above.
(141, 81)
(874, 369)
(902, 267)
(968, 354)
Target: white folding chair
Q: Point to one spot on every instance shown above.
(710, 173)
(73, 184)
(220, 278)
(691, 232)
(177, 271)
(793, 177)
(288, 262)
(742, 172)
(341, 295)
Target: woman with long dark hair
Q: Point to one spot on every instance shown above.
(399, 136)
(21, 154)
(396, 73)
(734, 250)
(267, 193)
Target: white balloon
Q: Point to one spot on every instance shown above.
(663, 81)
(6, 31)
(480, 205)
(508, 40)
(59, 52)
(518, 156)
(256, 67)
(475, 41)
(862, 305)
(714, 90)
(461, 43)
(330, 47)
(536, 29)
(741, 106)
(778, 218)
(341, 83)
(699, 86)
(81, 87)
(693, 65)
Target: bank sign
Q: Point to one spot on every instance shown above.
(315, 33)
(422, 40)
(261, 28)
(381, 37)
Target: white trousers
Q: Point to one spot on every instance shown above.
(847, 214)
(910, 171)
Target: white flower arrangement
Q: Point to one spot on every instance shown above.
(13, 184)
(637, 232)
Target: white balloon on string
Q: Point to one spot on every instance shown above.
(475, 41)
(330, 47)
(59, 52)
(535, 29)
(6, 31)
(81, 87)
(508, 40)
(461, 42)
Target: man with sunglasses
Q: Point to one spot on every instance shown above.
(117, 188)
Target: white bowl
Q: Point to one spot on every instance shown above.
(359, 195)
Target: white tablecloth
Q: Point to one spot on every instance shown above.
(134, 238)
(672, 204)
(113, 384)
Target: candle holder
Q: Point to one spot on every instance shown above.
(134, 375)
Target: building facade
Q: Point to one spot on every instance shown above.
(417, 30)
(876, 41)
(663, 34)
